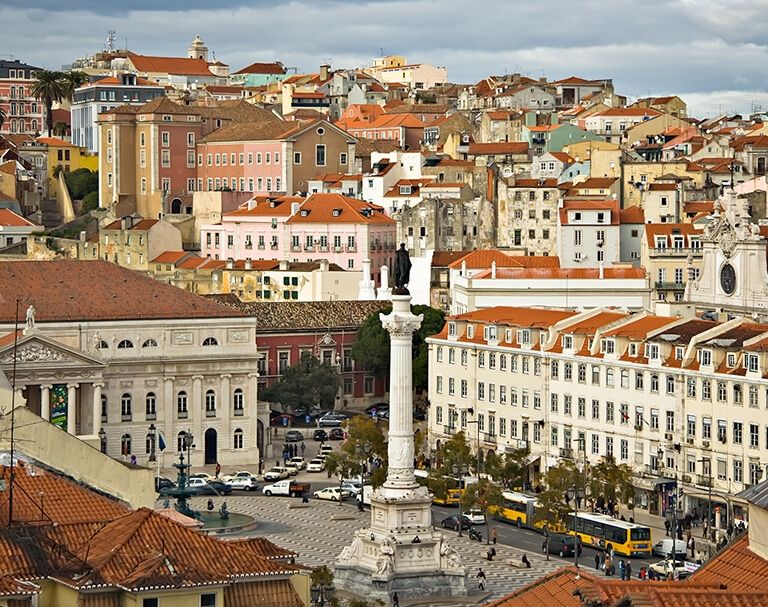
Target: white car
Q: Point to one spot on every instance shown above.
(196, 481)
(203, 475)
(325, 450)
(352, 486)
(292, 470)
(243, 483)
(276, 473)
(331, 493)
(677, 569)
(476, 517)
(298, 462)
(316, 465)
(239, 474)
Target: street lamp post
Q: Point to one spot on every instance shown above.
(187, 445)
(477, 426)
(459, 470)
(708, 462)
(103, 440)
(152, 437)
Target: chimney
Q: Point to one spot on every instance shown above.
(493, 269)
(124, 223)
(82, 235)
(324, 69)
(251, 204)
(601, 270)
(230, 263)
(283, 266)
(295, 208)
(248, 263)
(324, 265)
(463, 268)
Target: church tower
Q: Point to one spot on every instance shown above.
(198, 50)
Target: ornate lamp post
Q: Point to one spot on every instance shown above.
(152, 438)
(462, 470)
(103, 440)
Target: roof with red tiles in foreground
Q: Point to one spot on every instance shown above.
(75, 290)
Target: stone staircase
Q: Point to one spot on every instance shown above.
(49, 213)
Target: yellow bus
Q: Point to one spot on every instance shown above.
(518, 509)
(610, 534)
(455, 490)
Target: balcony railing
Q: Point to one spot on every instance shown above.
(337, 249)
(675, 251)
(183, 414)
(566, 453)
(450, 429)
(669, 286)
(295, 247)
(703, 481)
(238, 412)
(489, 438)
(273, 246)
(210, 412)
(151, 416)
(126, 417)
(323, 248)
(352, 248)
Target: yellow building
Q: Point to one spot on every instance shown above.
(666, 251)
(638, 175)
(604, 158)
(67, 156)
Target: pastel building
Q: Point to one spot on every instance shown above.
(345, 231)
(24, 113)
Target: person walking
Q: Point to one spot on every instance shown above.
(395, 600)
(481, 577)
(608, 564)
(628, 570)
(622, 569)
(303, 447)
(494, 535)
(667, 525)
(526, 562)
(218, 469)
(597, 560)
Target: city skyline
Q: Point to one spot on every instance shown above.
(713, 51)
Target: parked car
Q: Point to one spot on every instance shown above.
(292, 470)
(562, 545)
(331, 420)
(294, 436)
(663, 548)
(290, 488)
(243, 483)
(196, 482)
(228, 478)
(677, 569)
(353, 486)
(325, 450)
(276, 473)
(332, 494)
(336, 434)
(453, 522)
(162, 482)
(320, 435)
(203, 475)
(298, 462)
(477, 517)
(377, 408)
(316, 465)
(215, 487)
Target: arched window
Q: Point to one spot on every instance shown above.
(151, 404)
(102, 345)
(238, 439)
(150, 343)
(237, 401)
(125, 405)
(210, 401)
(210, 341)
(181, 441)
(181, 403)
(126, 344)
(148, 444)
(125, 444)
(104, 407)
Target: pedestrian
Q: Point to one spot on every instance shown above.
(622, 569)
(489, 553)
(494, 535)
(481, 577)
(218, 469)
(705, 529)
(651, 574)
(597, 560)
(526, 562)
(395, 600)
(643, 573)
(607, 564)
(303, 447)
(667, 526)
(691, 545)
(275, 431)
(628, 570)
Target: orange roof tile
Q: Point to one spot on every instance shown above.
(170, 65)
(266, 207)
(639, 328)
(595, 183)
(594, 322)
(114, 81)
(55, 142)
(169, 257)
(629, 111)
(543, 128)
(737, 567)
(484, 149)
(634, 214)
(140, 226)
(556, 588)
(263, 68)
(517, 316)
(335, 208)
(10, 219)
(565, 273)
(483, 258)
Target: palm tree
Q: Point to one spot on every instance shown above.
(72, 80)
(48, 88)
(3, 116)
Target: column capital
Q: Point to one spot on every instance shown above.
(46, 386)
(169, 378)
(252, 375)
(226, 376)
(198, 377)
(71, 385)
(98, 384)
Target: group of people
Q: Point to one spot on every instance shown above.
(292, 450)
(607, 565)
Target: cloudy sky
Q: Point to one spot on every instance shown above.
(713, 53)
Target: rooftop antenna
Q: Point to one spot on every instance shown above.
(111, 40)
(381, 49)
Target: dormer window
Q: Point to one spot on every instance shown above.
(577, 216)
(679, 350)
(524, 336)
(653, 351)
(705, 358)
(336, 212)
(405, 190)
(661, 242)
(304, 212)
(567, 342)
(489, 332)
(167, 118)
(451, 329)
(470, 331)
(508, 335)
(633, 350)
(607, 346)
(752, 363)
(731, 360)
(601, 218)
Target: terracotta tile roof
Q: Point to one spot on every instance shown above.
(699, 207)
(10, 219)
(595, 183)
(336, 208)
(416, 185)
(9, 586)
(275, 593)
(55, 142)
(502, 115)
(309, 315)
(737, 566)
(442, 259)
(563, 157)
(418, 108)
(384, 121)
(163, 105)
(263, 68)
(639, 328)
(735, 337)
(482, 259)
(554, 589)
(169, 257)
(543, 128)
(591, 205)
(365, 147)
(634, 214)
(140, 226)
(630, 111)
(576, 81)
(264, 548)
(266, 207)
(549, 273)
(593, 323)
(268, 130)
(96, 290)
(181, 66)
(486, 149)
(534, 183)
(517, 316)
(683, 333)
(114, 81)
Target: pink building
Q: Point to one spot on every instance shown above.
(343, 230)
(24, 113)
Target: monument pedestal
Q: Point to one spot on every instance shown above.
(400, 551)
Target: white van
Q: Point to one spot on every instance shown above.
(663, 548)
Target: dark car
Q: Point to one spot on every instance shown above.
(562, 545)
(452, 522)
(320, 435)
(336, 434)
(214, 487)
(294, 436)
(162, 482)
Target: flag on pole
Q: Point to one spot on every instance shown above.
(161, 442)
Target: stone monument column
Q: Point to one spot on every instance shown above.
(400, 551)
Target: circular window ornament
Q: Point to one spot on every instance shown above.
(321, 131)
(728, 279)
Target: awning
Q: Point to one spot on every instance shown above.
(650, 484)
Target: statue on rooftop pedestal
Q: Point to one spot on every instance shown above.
(402, 270)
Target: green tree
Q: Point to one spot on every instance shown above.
(3, 116)
(453, 457)
(507, 469)
(81, 182)
(307, 383)
(484, 495)
(551, 510)
(70, 81)
(90, 202)
(48, 88)
(366, 439)
(372, 345)
(612, 481)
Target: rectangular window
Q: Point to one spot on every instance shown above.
(320, 155)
